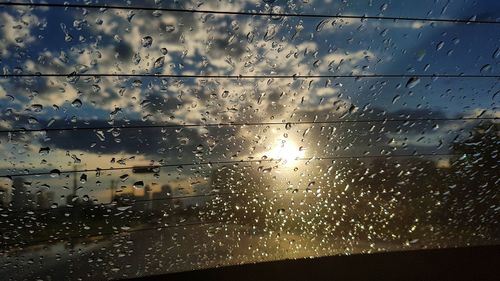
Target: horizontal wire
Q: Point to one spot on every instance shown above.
(248, 13)
(227, 162)
(206, 76)
(229, 124)
(73, 237)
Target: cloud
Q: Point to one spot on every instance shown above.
(16, 30)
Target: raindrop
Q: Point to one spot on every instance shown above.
(138, 184)
(147, 41)
(96, 89)
(83, 178)
(320, 25)
(55, 173)
(159, 62)
(275, 13)
(100, 135)
(130, 15)
(496, 54)
(67, 36)
(44, 150)
(439, 46)
(77, 103)
(137, 58)
(137, 83)
(36, 107)
(395, 99)
(270, 32)
(353, 109)
(234, 25)
(486, 68)
(265, 170)
(51, 122)
(169, 28)
(123, 208)
(412, 82)
(288, 126)
(124, 177)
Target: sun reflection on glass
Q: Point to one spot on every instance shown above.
(286, 151)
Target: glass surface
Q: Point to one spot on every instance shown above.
(145, 141)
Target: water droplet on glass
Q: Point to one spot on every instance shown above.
(270, 32)
(159, 62)
(275, 13)
(138, 184)
(486, 68)
(496, 54)
(100, 135)
(147, 41)
(137, 58)
(55, 173)
(320, 25)
(412, 82)
(124, 177)
(439, 46)
(123, 208)
(83, 178)
(169, 28)
(44, 150)
(395, 99)
(36, 107)
(130, 15)
(76, 103)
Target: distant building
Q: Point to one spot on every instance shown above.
(44, 199)
(162, 199)
(4, 197)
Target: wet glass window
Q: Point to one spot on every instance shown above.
(149, 137)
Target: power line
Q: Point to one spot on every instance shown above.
(249, 13)
(220, 76)
(226, 162)
(230, 124)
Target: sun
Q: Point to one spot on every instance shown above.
(286, 151)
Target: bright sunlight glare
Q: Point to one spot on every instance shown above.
(287, 151)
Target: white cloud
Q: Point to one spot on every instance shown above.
(16, 30)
